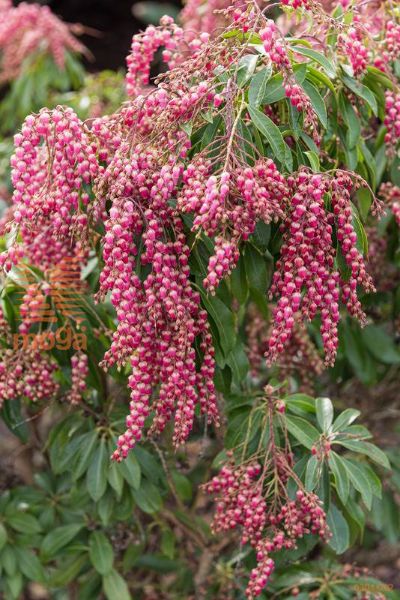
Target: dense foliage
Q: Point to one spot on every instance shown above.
(200, 283)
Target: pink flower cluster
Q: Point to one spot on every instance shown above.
(228, 206)
(168, 36)
(159, 314)
(79, 372)
(28, 29)
(392, 39)
(355, 51)
(392, 122)
(306, 281)
(241, 503)
(28, 375)
(296, 3)
(143, 49)
(25, 372)
(49, 211)
(274, 46)
(391, 196)
(31, 308)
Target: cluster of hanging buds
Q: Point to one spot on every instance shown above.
(49, 211)
(228, 205)
(306, 281)
(252, 495)
(390, 195)
(79, 372)
(275, 47)
(143, 49)
(391, 49)
(392, 122)
(28, 29)
(160, 317)
(24, 372)
(354, 50)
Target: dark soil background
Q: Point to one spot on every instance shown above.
(114, 22)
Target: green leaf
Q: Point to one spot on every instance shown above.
(359, 481)
(101, 553)
(317, 102)
(68, 571)
(115, 478)
(351, 119)
(238, 362)
(238, 282)
(148, 498)
(270, 131)
(346, 418)
(337, 524)
(115, 587)
(274, 90)
(15, 585)
(380, 345)
(58, 538)
(324, 410)
(130, 470)
(313, 160)
(258, 85)
(24, 523)
(183, 486)
(168, 543)
(302, 430)
(339, 471)
(105, 508)
(374, 453)
(362, 91)
(302, 402)
(9, 560)
(29, 564)
(319, 58)
(312, 473)
(96, 476)
(3, 536)
(223, 319)
(85, 454)
(372, 477)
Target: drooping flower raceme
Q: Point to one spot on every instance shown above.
(28, 29)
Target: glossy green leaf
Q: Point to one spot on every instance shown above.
(96, 476)
(24, 522)
(223, 319)
(362, 92)
(115, 587)
(29, 564)
(359, 481)
(346, 418)
(101, 553)
(312, 473)
(324, 410)
(130, 470)
(302, 430)
(148, 498)
(317, 57)
(58, 538)
(85, 454)
(337, 524)
(3, 536)
(372, 451)
(258, 85)
(270, 131)
(317, 102)
(339, 471)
